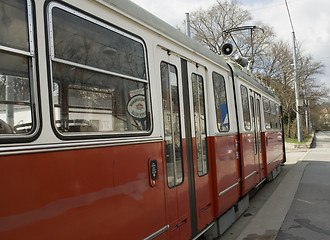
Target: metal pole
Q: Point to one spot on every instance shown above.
(10, 98)
(187, 25)
(306, 116)
(309, 116)
(296, 86)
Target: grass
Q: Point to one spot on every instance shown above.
(294, 140)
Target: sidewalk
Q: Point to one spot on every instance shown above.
(309, 214)
(268, 208)
(268, 220)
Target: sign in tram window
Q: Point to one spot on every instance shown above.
(245, 106)
(172, 126)
(200, 124)
(16, 68)
(220, 99)
(99, 76)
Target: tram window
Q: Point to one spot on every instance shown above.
(14, 24)
(99, 76)
(200, 124)
(16, 68)
(245, 106)
(272, 115)
(220, 99)
(85, 41)
(278, 117)
(267, 116)
(172, 126)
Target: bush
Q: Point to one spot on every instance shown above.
(294, 132)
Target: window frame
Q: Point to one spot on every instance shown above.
(200, 161)
(267, 114)
(53, 59)
(225, 95)
(247, 110)
(176, 184)
(31, 55)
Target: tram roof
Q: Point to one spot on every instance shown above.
(248, 77)
(141, 15)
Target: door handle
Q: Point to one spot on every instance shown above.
(153, 173)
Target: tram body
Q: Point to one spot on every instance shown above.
(116, 126)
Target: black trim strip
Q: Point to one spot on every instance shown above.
(190, 162)
(283, 136)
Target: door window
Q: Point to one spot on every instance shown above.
(200, 124)
(172, 126)
(245, 106)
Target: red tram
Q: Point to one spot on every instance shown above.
(114, 125)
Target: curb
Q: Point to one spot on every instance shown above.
(306, 145)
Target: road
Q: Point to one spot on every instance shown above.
(296, 205)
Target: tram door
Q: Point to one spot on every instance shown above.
(188, 194)
(256, 119)
(197, 155)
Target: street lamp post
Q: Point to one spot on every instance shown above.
(296, 85)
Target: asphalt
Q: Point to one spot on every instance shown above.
(296, 205)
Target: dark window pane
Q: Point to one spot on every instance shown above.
(200, 124)
(14, 24)
(82, 41)
(245, 106)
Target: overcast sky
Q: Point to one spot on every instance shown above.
(311, 20)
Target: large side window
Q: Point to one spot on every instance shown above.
(172, 127)
(245, 106)
(220, 98)
(17, 68)
(200, 124)
(99, 76)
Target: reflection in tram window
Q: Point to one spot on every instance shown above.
(14, 24)
(172, 127)
(200, 124)
(278, 117)
(272, 115)
(16, 61)
(246, 109)
(267, 117)
(96, 45)
(99, 77)
(273, 120)
(220, 99)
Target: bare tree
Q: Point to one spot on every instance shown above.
(208, 26)
(276, 71)
(271, 60)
